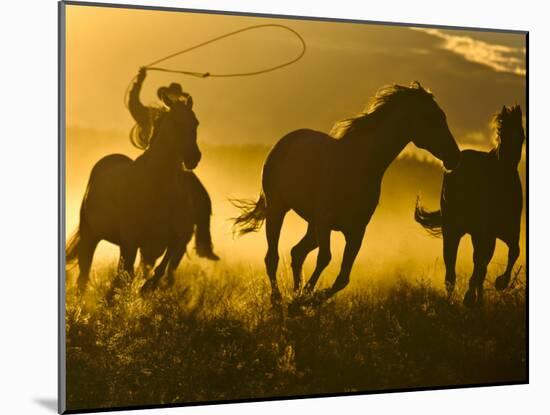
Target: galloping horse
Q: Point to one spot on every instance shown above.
(483, 198)
(333, 182)
(137, 204)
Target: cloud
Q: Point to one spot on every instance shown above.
(475, 137)
(497, 57)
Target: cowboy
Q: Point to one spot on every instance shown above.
(146, 118)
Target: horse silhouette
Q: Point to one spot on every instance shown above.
(138, 204)
(483, 198)
(333, 181)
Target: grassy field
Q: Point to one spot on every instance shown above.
(214, 336)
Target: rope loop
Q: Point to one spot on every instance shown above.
(151, 66)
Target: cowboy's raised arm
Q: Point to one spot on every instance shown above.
(139, 112)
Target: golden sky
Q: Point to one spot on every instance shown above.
(471, 73)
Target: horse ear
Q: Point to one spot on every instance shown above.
(416, 84)
(517, 110)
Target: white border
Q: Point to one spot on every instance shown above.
(29, 202)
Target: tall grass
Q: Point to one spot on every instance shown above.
(214, 336)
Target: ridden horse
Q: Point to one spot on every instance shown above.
(138, 204)
(333, 181)
(482, 197)
(196, 197)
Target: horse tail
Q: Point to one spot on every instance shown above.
(432, 221)
(252, 217)
(73, 244)
(71, 249)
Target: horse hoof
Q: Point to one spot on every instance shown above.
(110, 297)
(149, 286)
(308, 289)
(277, 310)
(450, 287)
(295, 308)
(470, 298)
(320, 297)
(502, 282)
(276, 299)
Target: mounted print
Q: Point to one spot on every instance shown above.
(261, 207)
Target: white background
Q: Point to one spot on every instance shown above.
(28, 203)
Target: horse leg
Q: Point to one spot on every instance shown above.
(273, 223)
(128, 255)
(175, 258)
(484, 247)
(513, 253)
(201, 212)
(323, 257)
(354, 240)
(145, 266)
(160, 269)
(148, 259)
(145, 269)
(126, 261)
(86, 249)
(451, 240)
(299, 253)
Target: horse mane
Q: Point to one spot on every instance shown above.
(505, 119)
(383, 98)
(509, 135)
(141, 139)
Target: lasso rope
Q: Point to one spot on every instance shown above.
(152, 67)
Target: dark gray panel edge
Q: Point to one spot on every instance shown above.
(61, 347)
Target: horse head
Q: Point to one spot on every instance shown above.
(180, 129)
(429, 126)
(509, 135)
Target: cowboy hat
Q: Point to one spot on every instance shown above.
(171, 94)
